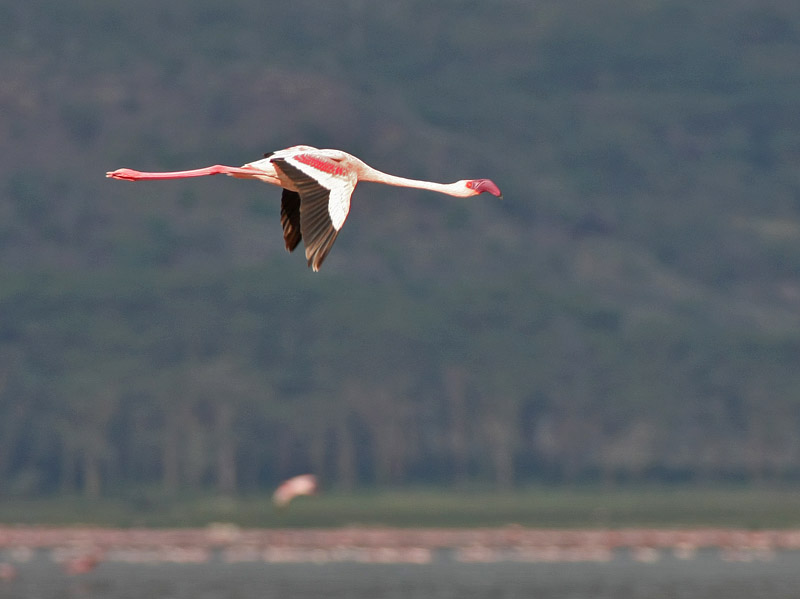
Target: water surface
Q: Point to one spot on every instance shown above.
(706, 575)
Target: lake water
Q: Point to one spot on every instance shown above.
(706, 576)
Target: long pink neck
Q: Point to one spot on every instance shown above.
(376, 176)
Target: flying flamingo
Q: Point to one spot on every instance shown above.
(317, 185)
(303, 484)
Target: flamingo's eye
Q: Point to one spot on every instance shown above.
(470, 184)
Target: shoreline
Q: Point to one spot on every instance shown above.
(232, 544)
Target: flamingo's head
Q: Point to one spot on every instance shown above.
(478, 186)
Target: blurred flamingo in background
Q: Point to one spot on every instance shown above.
(7, 572)
(304, 484)
(81, 564)
(317, 185)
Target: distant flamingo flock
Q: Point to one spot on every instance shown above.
(80, 550)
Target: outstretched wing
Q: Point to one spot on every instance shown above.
(324, 188)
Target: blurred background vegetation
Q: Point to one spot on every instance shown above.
(629, 313)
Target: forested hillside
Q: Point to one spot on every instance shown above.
(629, 311)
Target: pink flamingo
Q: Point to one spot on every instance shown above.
(317, 185)
(81, 564)
(303, 484)
(7, 572)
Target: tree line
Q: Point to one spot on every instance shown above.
(232, 385)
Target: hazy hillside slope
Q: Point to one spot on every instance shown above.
(630, 310)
